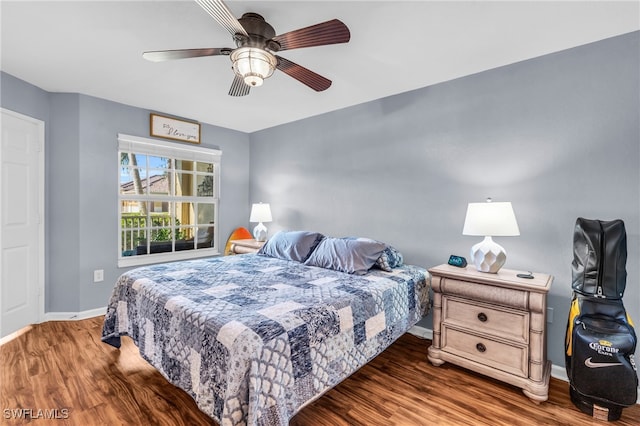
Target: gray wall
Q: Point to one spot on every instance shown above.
(82, 182)
(557, 136)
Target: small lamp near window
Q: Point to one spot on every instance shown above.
(260, 213)
(490, 220)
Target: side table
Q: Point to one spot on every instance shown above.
(246, 246)
(494, 324)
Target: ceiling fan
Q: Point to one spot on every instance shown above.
(254, 58)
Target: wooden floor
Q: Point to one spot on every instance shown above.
(65, 371)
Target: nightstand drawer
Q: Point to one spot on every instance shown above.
(513, 298)
(499, 355)
(506, 323)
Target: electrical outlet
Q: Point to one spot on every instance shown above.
(98, 275)
(549, 315)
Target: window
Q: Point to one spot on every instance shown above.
(167, 202)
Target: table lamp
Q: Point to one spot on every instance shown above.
(260, 213)
(490, 219)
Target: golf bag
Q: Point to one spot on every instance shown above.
(601, 341)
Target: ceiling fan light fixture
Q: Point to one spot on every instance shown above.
(255, 57)
(253, 64)
(253, 80)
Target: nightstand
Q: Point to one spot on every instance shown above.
(493, 324)
(246, 246)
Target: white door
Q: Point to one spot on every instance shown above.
(21, 222)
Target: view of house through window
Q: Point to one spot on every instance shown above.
(168, 200)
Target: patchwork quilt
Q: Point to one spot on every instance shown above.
(253, 339)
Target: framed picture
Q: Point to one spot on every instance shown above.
(173, 128)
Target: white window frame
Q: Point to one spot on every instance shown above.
(155, 147)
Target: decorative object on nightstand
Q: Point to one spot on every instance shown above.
(493, 324)
(260, 213)
(490, 220)
(245, 246)
(458, 261)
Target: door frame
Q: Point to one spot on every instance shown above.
(41, 206)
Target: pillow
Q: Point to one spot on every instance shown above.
(383, 262)
(291, 245)
(395, 257)
(389, 259)
(353, 256)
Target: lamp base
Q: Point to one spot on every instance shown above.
(488, 256)
(260, 232)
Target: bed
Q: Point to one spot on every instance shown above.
(253, 338)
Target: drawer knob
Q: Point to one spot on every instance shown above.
(482, 317)
(480, 347)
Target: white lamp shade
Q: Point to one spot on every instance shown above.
(490, 219)
(260, 213)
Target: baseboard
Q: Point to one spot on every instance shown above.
(56, 316)
(559, 372)
(70, 316)
(422, 332)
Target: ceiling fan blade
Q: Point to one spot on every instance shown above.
(168, 55)
(223, 16)
(238, 87)
(303, 75)
(330, 32)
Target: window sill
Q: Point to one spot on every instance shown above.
(149, 259)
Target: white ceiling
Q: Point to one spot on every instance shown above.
(95, 48)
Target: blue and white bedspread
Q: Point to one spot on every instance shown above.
(253, 339)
